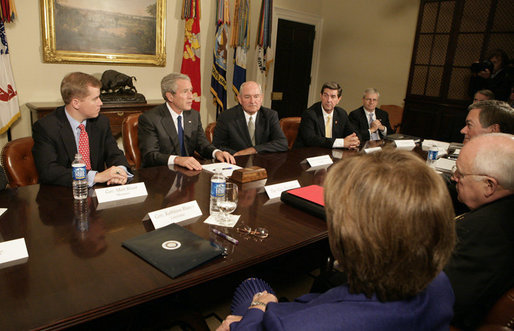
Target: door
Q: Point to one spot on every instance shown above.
(292, 73)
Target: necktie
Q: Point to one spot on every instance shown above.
(181, 136)
(251, 130)
(328, 127)
(84, 146)
(374, 135)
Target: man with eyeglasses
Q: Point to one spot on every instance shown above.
(371, 122)
(481, 269)
(326, 125)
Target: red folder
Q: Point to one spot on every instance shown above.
(308, 198)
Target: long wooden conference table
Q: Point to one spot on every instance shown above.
(77, 269)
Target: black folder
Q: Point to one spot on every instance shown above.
(173, 249)
(306, 198)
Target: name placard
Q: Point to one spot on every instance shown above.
(13, 252)
(175, 214)
(318, 161)
(121, 192)
(406, 144)
(275, 190)
(372, 150)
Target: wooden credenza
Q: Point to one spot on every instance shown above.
(116, 112)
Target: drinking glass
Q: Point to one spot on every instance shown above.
(228, 203)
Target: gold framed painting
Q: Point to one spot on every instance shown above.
(104, 31)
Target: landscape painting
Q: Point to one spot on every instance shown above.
(117, 31)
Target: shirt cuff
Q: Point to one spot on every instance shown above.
(171, 159)
(338, 143)
(91, 177)
(214, 153)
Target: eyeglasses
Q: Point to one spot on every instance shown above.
(458, 175)
(261, 233)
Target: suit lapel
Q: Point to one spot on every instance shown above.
(67, 135)
(320, 121)
(188, 129)
(169, 127)
(94, 142)
(242, 127)
(258, 127)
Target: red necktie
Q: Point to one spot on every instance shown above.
(84, 146)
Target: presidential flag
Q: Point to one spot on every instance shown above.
(219, 64)
(191, 55)
(9, 108)
(239, 42)
(264, 59)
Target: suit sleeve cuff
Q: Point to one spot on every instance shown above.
(338, 143)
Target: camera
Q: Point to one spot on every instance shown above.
(481, 66)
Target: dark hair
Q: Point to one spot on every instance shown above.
(390, 223)
(495, 112)
(75, 85)
(501, 54)
(332, 86)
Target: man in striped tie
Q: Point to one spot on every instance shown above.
(78, 127)
(372, 123)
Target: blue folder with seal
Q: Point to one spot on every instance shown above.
(173, 249)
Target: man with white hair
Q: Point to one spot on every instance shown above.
(481, 269)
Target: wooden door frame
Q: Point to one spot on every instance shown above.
(300, 17)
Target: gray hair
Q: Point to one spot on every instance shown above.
(495, 112)
(250, 81)
(371, 90)
(169, 83)
(494, 157)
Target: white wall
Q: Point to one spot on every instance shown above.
(363, 43)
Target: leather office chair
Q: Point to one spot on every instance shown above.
(209, 131)
(289, 126)
(501, 315)
(395, 116)
(18, 162)
(130, 140)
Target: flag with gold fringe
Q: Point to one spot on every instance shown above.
(239, 42)
(191, 55)
(8, 12)
(9, 108)
(264, 59)
(219, 64)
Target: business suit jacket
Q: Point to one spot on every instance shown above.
(338, 309)
(158, 137)
(312, 127)
(359, 119)
(54, 147)
(481, 268)
(231, 132)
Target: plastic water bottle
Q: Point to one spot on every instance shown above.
(432, 156)
(218, 182)
(79, 178)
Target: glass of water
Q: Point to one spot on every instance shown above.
(228, 203)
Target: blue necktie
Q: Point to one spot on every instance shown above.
(181, 136)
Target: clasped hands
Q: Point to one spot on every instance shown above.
(191, 163)
(263, 297)
(112, 176)
(352, 141)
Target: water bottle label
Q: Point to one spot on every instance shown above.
(79, 173)
(217, 189)
(432, 155)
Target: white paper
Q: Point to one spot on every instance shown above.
(318, 161)
(372, 150)
(444, 165)
(275, 190)
(407, 144)
(2, 211)
(216, 220)
(13, 252)
(226, 168)
(121, 192)
(174, 214)
(441, 145)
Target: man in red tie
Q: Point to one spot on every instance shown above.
(78, 127)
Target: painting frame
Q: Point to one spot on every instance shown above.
(94, 54)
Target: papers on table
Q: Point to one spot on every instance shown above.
(13, 252)
(444, 165)
(216, 220)
(2, 211)
(274, 191)
(226, 168)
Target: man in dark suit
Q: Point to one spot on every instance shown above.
(170, 133)
(326, 125)
(481, 269)
(249, 128)
(56, 136)
(371, 123)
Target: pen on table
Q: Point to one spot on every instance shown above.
(229, 238)
(226, 168)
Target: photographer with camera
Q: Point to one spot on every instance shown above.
(492, 74)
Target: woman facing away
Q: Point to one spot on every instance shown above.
(390, 227)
